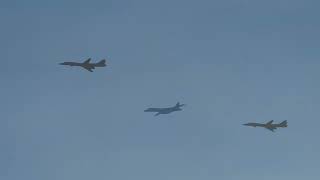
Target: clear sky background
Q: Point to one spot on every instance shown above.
(230, 61)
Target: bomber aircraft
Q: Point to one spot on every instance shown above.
(269, 125)
(86, 64)
(168, 110)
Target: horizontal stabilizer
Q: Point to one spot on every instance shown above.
(179, 105)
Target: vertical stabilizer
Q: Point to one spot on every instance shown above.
(102, 62)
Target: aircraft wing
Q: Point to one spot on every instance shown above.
(270, 122)
(89, 69)
(87, 61)
(271, 128)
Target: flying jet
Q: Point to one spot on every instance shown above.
(86, 64)
(168, 110)
(269, 125)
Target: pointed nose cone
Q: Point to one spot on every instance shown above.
(247, 124)
(61, 63)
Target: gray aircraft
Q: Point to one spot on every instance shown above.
(269, 125)
(168, 110)
(86, 64)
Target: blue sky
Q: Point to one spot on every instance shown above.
(230, 61)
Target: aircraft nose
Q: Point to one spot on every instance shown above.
(247, 124)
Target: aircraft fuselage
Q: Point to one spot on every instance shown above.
(169, 110)
(264, 125)
(177, 107)
(86, 65)
(269, 125)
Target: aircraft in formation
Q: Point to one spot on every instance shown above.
(269, 125)
(168, 110)
(89, 66)
(86, 64)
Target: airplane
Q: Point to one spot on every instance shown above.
(168, 110)
(269, 125)
(86, 64)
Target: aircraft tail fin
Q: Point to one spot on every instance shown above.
(284, 123)
(102, 62)
(180, 105)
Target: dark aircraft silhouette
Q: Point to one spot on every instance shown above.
(269, 125)
(86, 64)
(168, 110)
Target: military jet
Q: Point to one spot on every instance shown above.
(168, 110)
(86, 64)
(269, 125)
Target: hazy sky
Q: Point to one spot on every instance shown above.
(230, 61)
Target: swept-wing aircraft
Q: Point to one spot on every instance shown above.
(168, 110)
(269, 125)
(86, 64)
